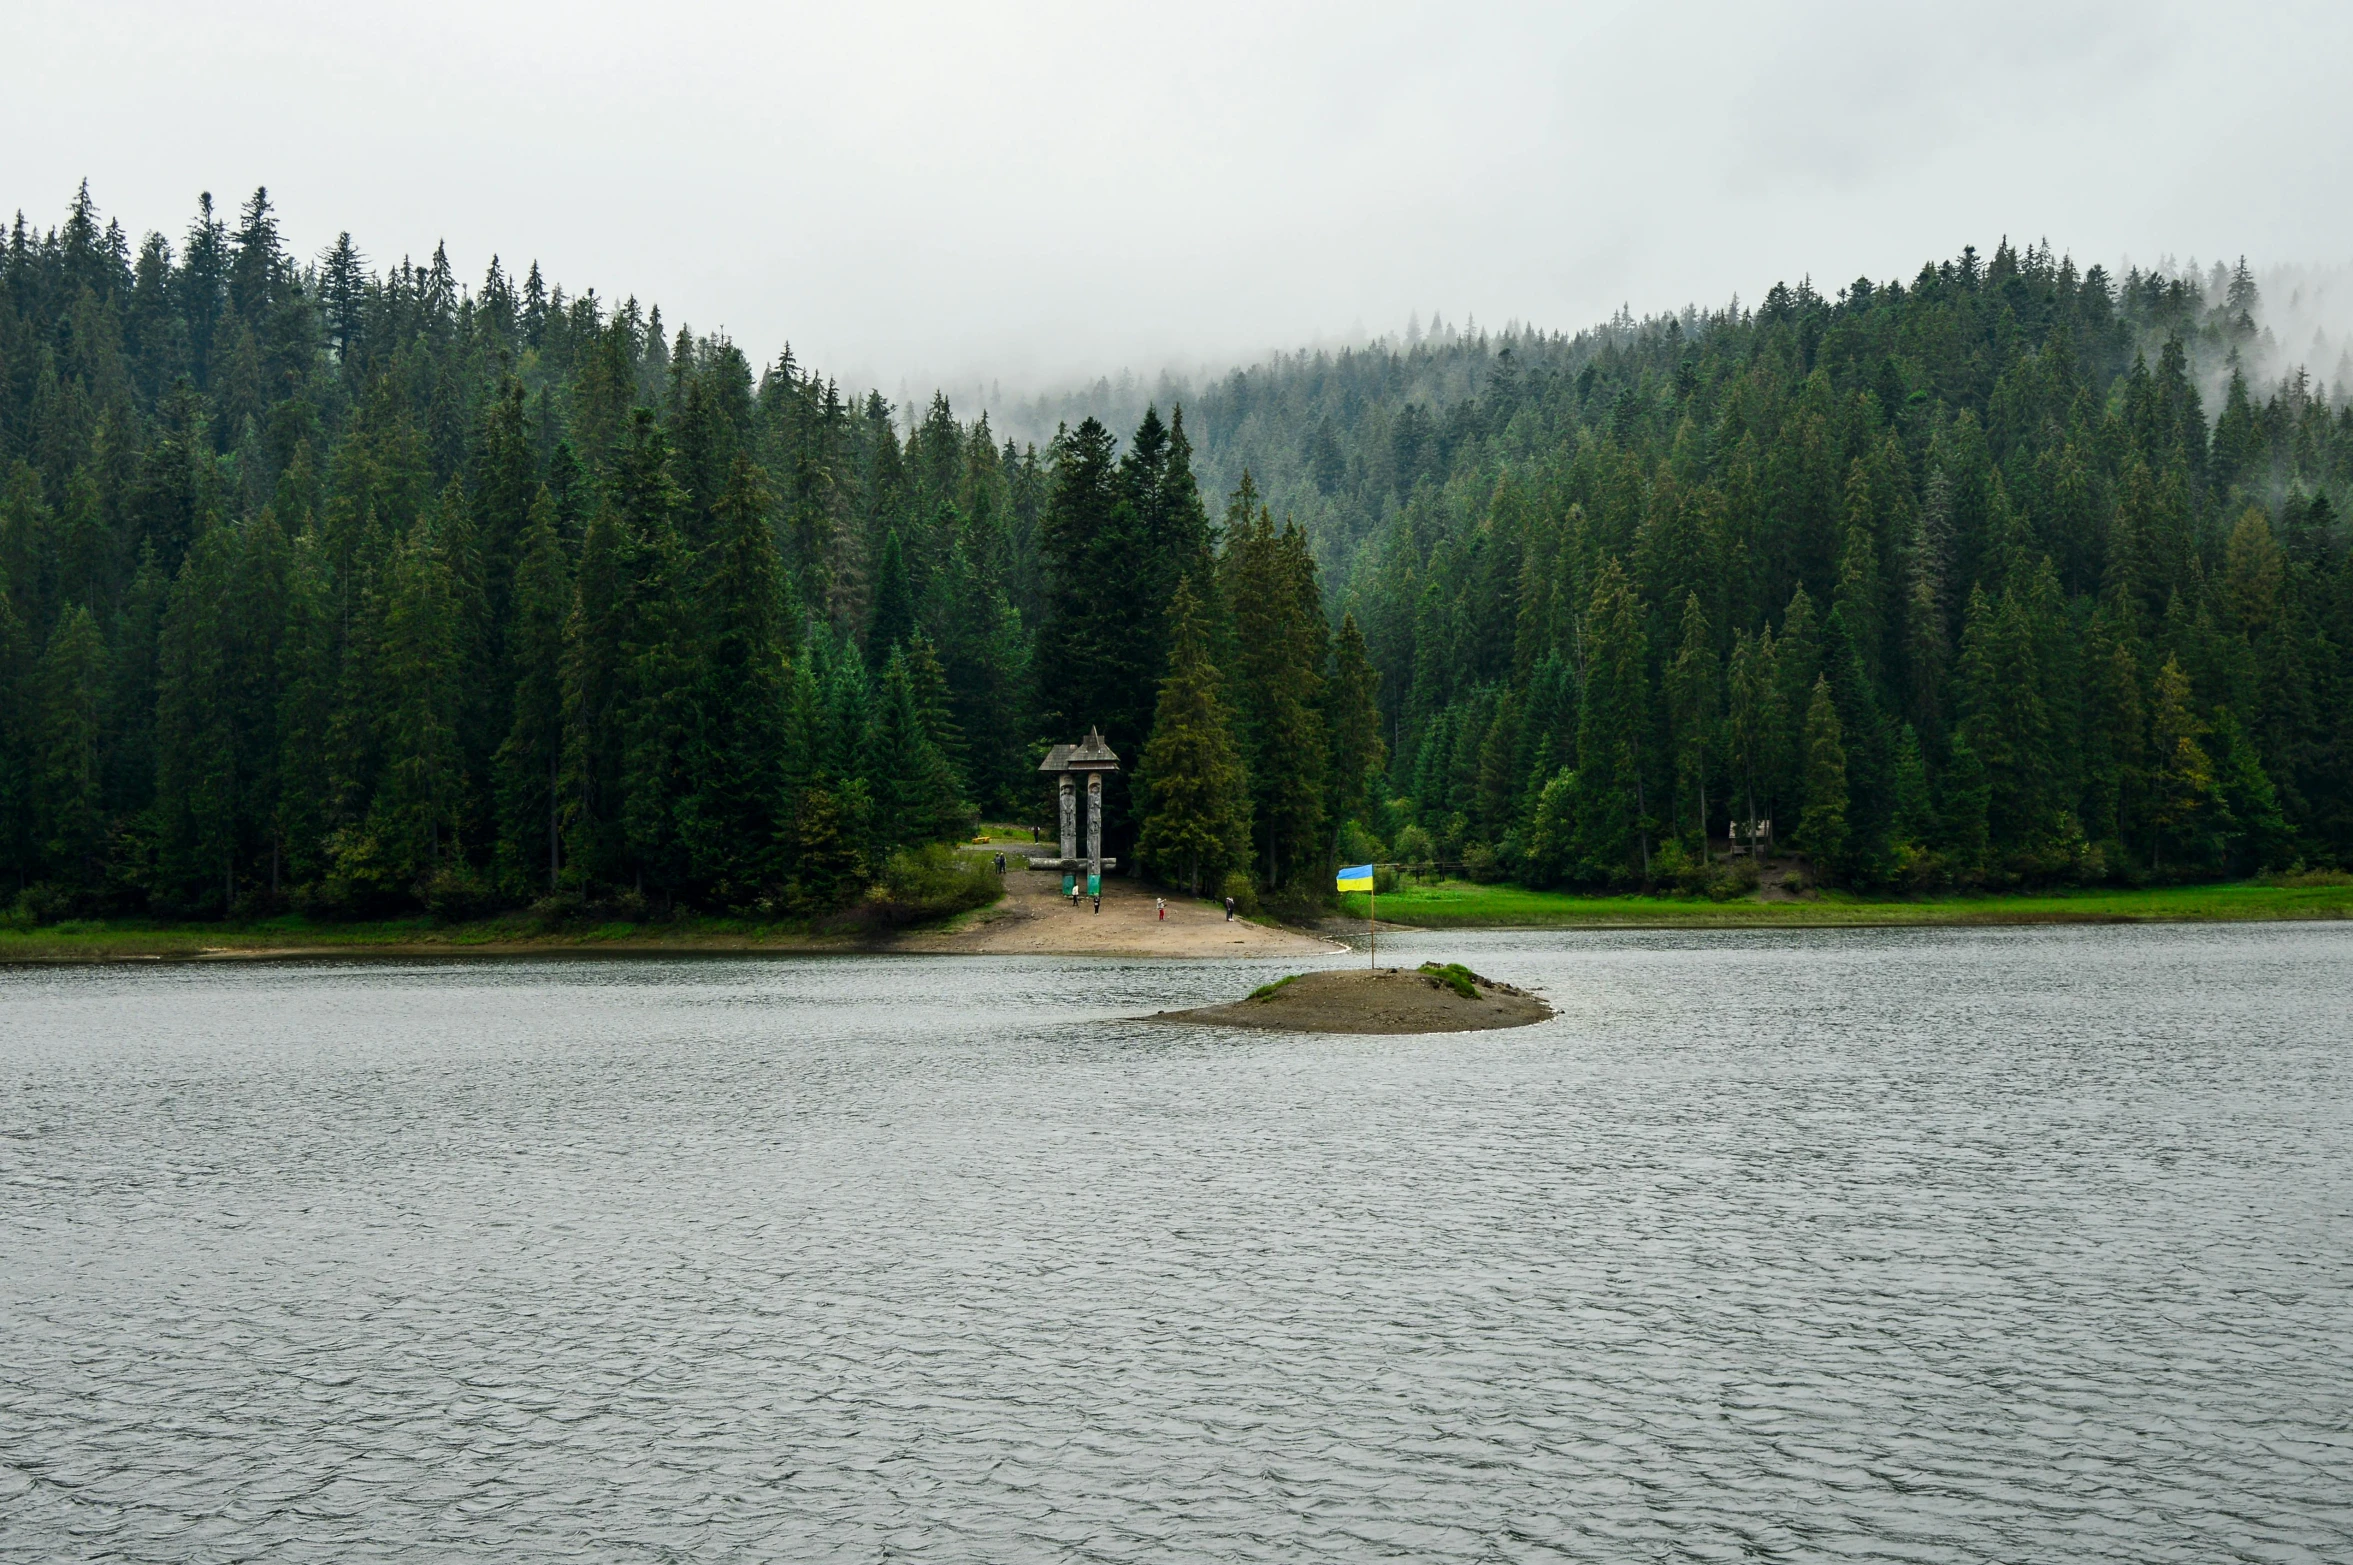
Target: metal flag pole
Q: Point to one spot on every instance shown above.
(1372, 908)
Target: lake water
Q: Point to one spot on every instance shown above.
(2003, 1245)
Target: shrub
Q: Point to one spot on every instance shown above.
(1454, 976)
(921, 884)
(2297, 875)
(1360, 846)
(1242, 889)
(456, 893)
(1483, 864)
(1738, 878)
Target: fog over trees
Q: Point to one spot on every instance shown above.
(349, 587)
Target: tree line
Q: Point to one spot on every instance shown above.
(1954, 581)
(353, 589)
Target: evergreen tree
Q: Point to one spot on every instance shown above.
(2258, 834)
(69, 783)
(915, 799)
(1691, 702)
(736, 756)
(309, 679)
(891, 620)
(1822, 829)
(1914, 810)
(1088, 554)
(1612, 841)
(530, 758)
(1753, 720)
(2183, 784)
(1196, 801)
(196, 782)
(415, 827)
(1352, 719)
(1279, 639)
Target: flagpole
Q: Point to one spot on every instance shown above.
(1372, 907)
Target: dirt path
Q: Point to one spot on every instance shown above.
(1036, 920)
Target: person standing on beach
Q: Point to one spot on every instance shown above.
(1160, 909)
(1229, 910)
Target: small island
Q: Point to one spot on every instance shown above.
(1430, 998)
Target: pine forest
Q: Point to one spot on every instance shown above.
(354, 589)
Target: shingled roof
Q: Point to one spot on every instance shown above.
(1090, 755)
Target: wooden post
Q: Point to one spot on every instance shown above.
(1094, 834)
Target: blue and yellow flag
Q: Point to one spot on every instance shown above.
(1356, 877)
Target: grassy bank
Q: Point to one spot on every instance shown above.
(919, 889)
(1457, 904)
(134, 940)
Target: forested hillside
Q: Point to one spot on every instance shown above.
(352, 588)
(1954, 580)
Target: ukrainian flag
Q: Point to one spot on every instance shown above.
(1357, 877)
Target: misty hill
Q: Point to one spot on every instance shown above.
(357, 587)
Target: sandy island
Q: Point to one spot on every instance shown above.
(1034, 919)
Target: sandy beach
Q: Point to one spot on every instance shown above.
(1035, 919)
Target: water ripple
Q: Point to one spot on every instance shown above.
(1873, 1245)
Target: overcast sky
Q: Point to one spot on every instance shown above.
(1045, 191)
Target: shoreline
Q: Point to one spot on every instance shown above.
(1467, 905)
(1032, 920)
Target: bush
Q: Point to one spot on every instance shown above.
(456, 893)
(571, 908)
(43, 903)
(1736, 878)
(1454, 976)
(1242, 889)
(1360, 846)
(2297, 875)
(560, 910)
(921, 884)
(1484, 865)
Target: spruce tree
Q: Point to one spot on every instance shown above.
(69, 786)
(1822, 829)
(912, 788)
(1279, 640)
(1195, 795)
(197, 785)
(1691, 703)
(2259, 837)
(2182, 783)
(417, 819)
(309, 677)
(1914, 813)
(1613, 828)
(530, 758)
(1352, 720)
(736, 760)
(891, 621)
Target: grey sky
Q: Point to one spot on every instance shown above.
(1041, 191)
